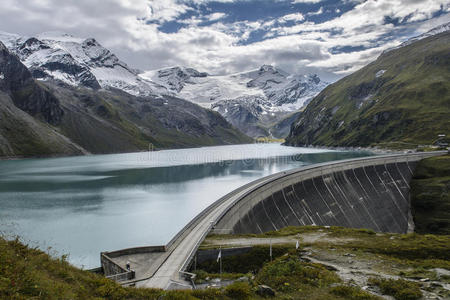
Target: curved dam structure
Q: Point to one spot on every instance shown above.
(371, 192)
(368, 193)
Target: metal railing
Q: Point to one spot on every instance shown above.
(129, 275)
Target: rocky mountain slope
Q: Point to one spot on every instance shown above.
(54, 117)
(77, 62)
(402, 98)
(253, 101)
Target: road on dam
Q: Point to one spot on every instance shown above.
(169, 263)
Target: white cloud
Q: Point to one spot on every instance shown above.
(166, 10)
(318, 12)
(127, 27)
(306, 1)
(215, 16)
(296, 17)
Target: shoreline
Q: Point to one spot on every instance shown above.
(375, 150)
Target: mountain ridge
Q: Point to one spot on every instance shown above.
(402, 98)
(50, 117)
(268, 94)
(252, 101)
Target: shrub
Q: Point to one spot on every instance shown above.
(352, 293)
(208, 294)
(288, 273)
(400, 289)
(238, 291)
(250, 262)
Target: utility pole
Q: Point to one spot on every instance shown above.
(219, 260)
(270, 250)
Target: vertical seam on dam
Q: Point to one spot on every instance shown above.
(363, 202)
(268, 217)
(401, 174)
(388, 191)
(293, 212)
(407, 163)
(334, 199)
(301, 203)
(395, 183)
(278, 209)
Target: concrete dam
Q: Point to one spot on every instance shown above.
(371, 192)
(368, 193)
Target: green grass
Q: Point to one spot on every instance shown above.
(28, 273)
(352, 293)
(413, 250)
(430, 198)
(289, 274)
(405, 107)
(250, 262)
(398, 288)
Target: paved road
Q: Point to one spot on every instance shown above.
(168, 273)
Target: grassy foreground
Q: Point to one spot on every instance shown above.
(28, 273)
(430, 198)
(336, 262)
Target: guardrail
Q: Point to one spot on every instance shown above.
(190, 276)
(129, 275)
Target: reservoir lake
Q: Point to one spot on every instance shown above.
(83, 205)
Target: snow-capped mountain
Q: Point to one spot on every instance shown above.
(284, 91)
(78, 62)
(250, 100)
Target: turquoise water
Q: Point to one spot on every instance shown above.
(84, 205)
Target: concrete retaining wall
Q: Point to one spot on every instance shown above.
(361, 193)
(109, 267)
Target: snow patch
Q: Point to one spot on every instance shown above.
(380, 73)
(285, 92)
(2, 76)
(77, 61)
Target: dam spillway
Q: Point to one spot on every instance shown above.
(368, 193)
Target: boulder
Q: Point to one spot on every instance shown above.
(265, 291)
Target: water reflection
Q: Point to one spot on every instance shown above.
(84, 205)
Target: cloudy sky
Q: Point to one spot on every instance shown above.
(330, 37)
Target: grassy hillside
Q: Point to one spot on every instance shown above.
(110, 122)
(401, 98)
(430, 196)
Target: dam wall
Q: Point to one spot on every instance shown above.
(368, 193)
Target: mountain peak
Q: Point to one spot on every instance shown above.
(78, 62)
(58, 36)
(267, 68)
